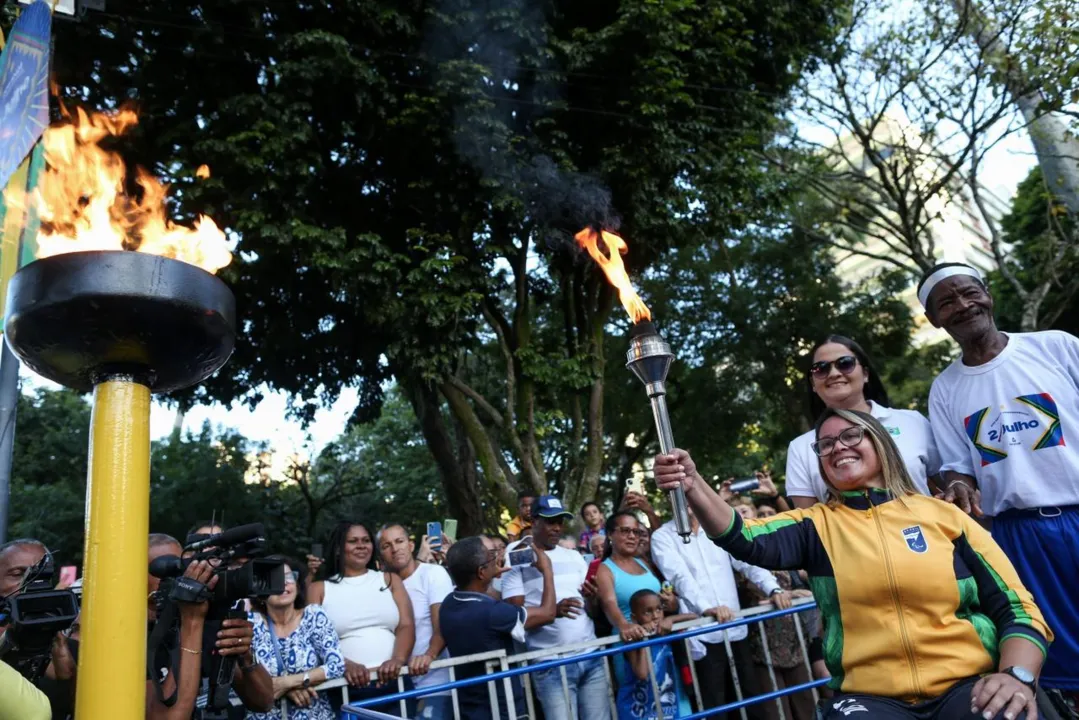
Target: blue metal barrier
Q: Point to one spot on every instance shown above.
(610, 651)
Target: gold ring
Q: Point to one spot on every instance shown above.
(1020, 695)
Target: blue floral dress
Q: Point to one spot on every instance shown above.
(311, 645)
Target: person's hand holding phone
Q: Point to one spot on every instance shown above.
(542, 562)
(314, 560)
(424, 554)
(767, 487)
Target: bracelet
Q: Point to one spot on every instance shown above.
(193, 652)
(957, 480)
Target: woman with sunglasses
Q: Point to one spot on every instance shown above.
(622, 573)
(841, 376)
(924, 616)
(297, 644)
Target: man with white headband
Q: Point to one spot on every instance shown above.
(1005, 416)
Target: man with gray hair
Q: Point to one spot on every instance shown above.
(1005, 416)
(474, 622)
(16, 557)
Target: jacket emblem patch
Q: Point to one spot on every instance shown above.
(915, 539)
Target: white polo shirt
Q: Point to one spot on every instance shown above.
(569, 570)
(910, 431)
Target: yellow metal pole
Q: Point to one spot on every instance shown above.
(112, 652)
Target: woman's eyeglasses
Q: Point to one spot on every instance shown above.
(639, 532)
(849, 438)
(292, 577)
(822, 368)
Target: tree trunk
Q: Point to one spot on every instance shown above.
(457, 473)
(1057, 151)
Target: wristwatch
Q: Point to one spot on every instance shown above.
(1022, 675)
(306, 679)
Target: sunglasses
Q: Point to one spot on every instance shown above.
(822, 368)
(639, 532)
(850, 437)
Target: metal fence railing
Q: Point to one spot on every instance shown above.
(501, 668)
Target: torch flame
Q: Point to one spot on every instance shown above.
(83, 204)
(202, 172)
(614, 269)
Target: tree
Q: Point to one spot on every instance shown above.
(49, 461)
(199, 477)
(404, 180)
(909, 103)
(1036, 228)
(388, 472)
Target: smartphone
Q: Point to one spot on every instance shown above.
(593, 568)
(745, 485)
(68, 575)
(434, 535)
(522, 556)
(635, 484)
(666, 587)
(316, 550)
(449, 529)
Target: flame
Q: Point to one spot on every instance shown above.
(202, 172)
(83, 203)
(614, 269)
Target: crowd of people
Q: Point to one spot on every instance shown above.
(939, 552)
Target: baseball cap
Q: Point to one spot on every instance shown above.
(548, 506)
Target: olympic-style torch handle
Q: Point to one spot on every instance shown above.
(666, 444)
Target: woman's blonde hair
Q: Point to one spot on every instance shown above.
(893, 470)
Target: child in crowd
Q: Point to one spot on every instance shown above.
(636, 699)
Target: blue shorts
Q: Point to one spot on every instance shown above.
(1044, 548)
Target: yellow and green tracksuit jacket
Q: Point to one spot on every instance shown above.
(915, 596)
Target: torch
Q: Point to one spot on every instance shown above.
(649, 355)
(122, 324)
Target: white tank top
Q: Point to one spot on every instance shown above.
(365, 616)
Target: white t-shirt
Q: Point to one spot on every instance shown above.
(428, 586)
(1013, 423)
(569, 570)
(910, 431)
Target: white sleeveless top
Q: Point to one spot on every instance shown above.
(365, 616)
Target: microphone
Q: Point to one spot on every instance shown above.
(234, 536)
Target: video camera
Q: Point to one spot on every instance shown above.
(240, 576)
(35, 613)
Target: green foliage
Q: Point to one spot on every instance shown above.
(1034, 228)
(404, 179)
(198, 477)
(389, 476)
(48, 483)
(379, 473)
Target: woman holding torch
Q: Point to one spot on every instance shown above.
(924, 616)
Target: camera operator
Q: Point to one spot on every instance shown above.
(58, 682)
(181, 654)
